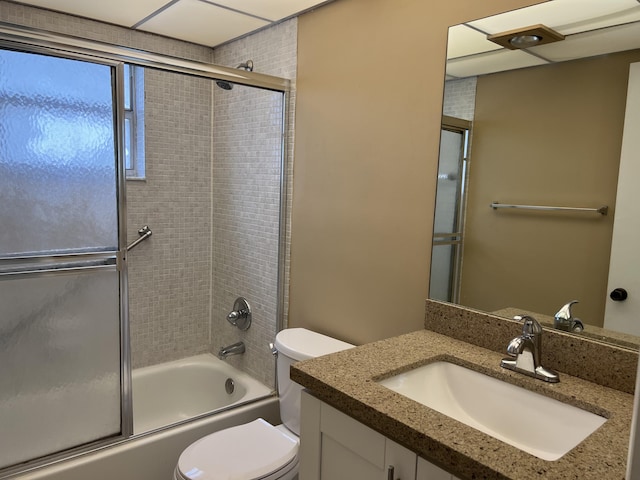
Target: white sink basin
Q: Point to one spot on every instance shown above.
(539, 425)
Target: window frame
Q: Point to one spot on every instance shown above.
(133, 128)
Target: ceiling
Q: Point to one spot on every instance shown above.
(591, 27)
(205, 22)
(585, 23)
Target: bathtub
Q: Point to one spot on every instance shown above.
(171, 392)
(164, 394)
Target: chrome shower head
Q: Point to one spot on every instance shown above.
(224, 85)
(247, 66)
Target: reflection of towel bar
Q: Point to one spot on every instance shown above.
(601, 210)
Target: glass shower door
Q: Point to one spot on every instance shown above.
(61, 271)
(449, 211)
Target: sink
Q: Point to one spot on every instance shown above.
(539, 425)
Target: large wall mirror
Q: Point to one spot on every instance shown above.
(537, 164)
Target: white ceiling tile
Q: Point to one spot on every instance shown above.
(200, 22)
(565, 16)
(271, 9)
(491, 62)
(465, 41)
(589, 44)
(120, 12)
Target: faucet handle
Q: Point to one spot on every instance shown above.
(240, 316)
(565, 312)
(530, 326)
(563, 318)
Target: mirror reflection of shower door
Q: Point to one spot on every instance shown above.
(449, 212)
(61, 273)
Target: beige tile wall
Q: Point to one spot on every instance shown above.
(460, 98)
(246, 178)
(169, 275)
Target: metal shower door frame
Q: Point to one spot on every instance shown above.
(93, 260)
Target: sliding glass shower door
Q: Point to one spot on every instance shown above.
(61, 269)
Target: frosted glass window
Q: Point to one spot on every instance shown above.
(57, 155)
(60, 375)
(134, 100)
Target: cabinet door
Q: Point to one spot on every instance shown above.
(350, 450)
(401, 460)
(428, 471)
(334, 446)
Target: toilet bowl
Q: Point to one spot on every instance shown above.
(255, 450)
(258, 450)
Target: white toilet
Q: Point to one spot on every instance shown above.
(258, 450)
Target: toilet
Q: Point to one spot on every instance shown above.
(259, 450)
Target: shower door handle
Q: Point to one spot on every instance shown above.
(144, 233)
(63, 265)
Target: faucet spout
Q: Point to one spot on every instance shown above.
(235, 349)
(526, 351)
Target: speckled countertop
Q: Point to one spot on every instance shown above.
(347, 381)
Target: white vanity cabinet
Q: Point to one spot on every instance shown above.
(428, 471)
(334, 446)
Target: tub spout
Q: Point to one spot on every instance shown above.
(235, 349)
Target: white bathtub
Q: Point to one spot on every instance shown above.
(170, 392)
(165, 393)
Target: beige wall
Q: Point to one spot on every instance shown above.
(369, 98)
(545, 136)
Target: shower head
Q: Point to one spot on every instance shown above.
(247, 66)
(224, 85)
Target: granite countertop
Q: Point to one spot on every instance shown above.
(347, 381)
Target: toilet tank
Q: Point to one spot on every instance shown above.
(293, 345)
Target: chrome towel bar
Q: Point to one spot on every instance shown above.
(603, 210)
(144, 232)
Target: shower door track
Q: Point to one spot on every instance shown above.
(32, 37)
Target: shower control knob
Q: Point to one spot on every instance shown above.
(618, 295)
(240, 316)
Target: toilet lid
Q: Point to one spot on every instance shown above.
(246, 452)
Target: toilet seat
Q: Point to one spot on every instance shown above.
(253, 451)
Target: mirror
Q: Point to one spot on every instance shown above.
(545, 128)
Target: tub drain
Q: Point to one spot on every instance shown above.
(229, 386)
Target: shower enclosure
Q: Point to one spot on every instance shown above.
(78, 311)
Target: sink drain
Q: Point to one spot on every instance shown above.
(229, 386)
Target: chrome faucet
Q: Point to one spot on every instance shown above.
(526, 350)
(235, 349)
(564, 320)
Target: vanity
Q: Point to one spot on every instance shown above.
(355, 427)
